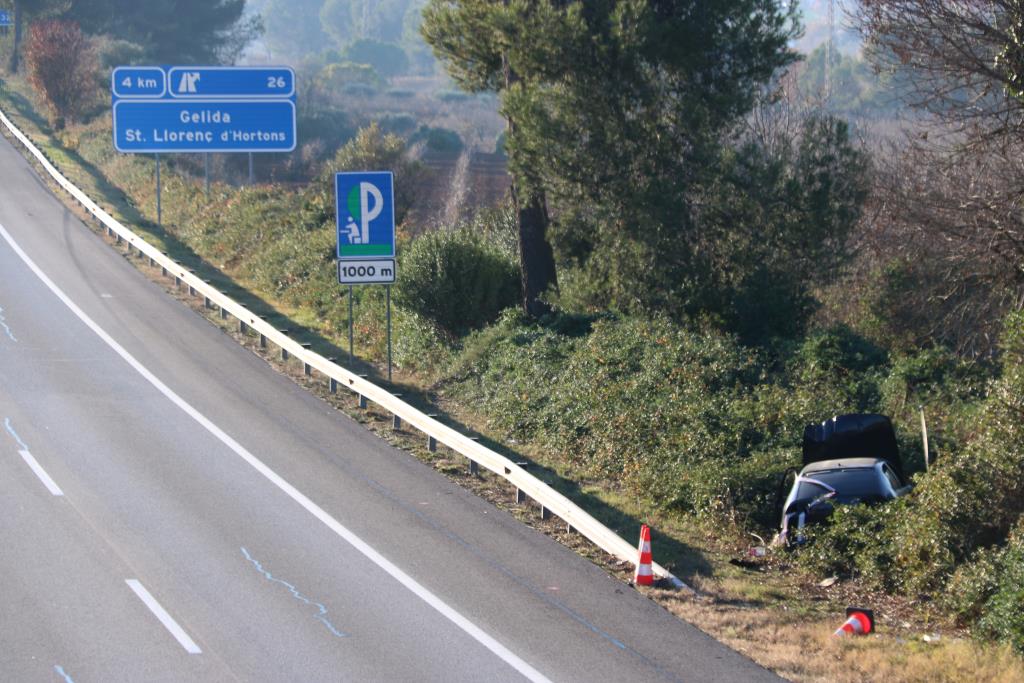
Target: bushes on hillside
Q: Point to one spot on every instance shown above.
(456, 279)
(687, 418)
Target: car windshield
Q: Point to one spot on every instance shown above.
(862, 482)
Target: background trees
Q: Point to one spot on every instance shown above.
(24, 10)
(949, 197)
(172, 31)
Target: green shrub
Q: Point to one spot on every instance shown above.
(1003, 613)
(386, 58)
(456, 279)
(344, 75)
(398, 123)
(438, 140)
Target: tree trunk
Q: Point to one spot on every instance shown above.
(536, 258)
(17, 37)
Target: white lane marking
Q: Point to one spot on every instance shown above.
(334, 525)
(48, 481)
(6, 329)
(166, 619)
(14, 434)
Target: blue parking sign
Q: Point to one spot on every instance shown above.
(366, 215)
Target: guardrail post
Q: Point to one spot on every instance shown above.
(263, 341)
(307, 369)
(332, 385)
(284, 351)
(362, 401)
(520, 496)
(473, 467)
(545, 513)
(206, 302)
(396, 422)
(241, 326)
(431, 444)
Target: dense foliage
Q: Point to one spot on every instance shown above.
(457, 279)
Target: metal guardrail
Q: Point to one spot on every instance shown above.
(550, 500)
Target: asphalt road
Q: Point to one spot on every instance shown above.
(173, 509)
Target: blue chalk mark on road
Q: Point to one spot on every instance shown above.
(60, 670)
(321, 615)
(6, 329)
(10, 430)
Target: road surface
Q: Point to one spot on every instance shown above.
(173, 509)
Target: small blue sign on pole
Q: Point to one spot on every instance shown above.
(5, 19)
(366, 227)
(203, 109)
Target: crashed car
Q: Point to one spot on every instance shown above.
(847, 460)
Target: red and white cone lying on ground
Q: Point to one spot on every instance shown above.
(644, 575)
(859, 622)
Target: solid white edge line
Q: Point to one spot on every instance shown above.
(166, 619)
(334, 525)
(34, 465)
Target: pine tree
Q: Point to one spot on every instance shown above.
(615, 109)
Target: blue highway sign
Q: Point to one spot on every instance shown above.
(5, 18)
(204, 126)
(203, 109)
(231, 81)
(365, 215)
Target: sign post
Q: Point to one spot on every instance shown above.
(365, 203)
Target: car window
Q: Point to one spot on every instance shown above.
(860, 482)
(894, 481)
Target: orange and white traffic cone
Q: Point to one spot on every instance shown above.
(859, 622)
(644, 576)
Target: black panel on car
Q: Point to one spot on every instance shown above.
(860, 435)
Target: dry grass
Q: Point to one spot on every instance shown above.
(800, 646)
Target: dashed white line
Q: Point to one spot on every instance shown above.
(166, 619)
(411, 584)
(48, 481)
